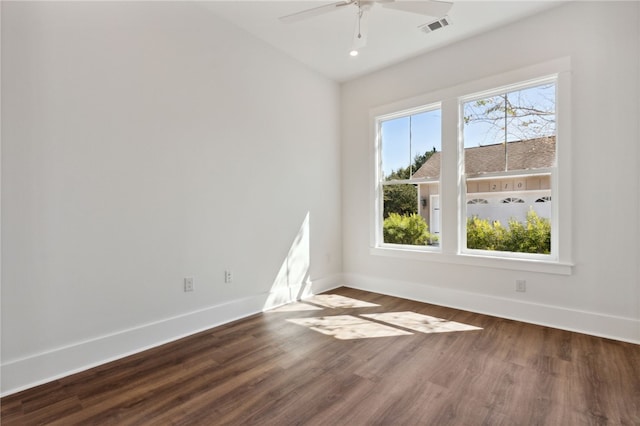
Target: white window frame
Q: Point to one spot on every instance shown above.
(379, 176)
(452, 186)
(553, 256)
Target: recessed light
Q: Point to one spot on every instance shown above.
(353, 53)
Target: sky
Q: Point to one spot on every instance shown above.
(399, 149)
(480, 132)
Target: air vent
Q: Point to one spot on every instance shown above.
(435, 25)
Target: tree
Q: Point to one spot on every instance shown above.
(403, 198)
(523, 114)
(400, 199)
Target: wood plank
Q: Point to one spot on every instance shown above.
(266, 370)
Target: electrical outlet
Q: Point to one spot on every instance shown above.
(521, 286)
(188, 284)
(228, 278)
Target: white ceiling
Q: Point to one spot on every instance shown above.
(323, 42)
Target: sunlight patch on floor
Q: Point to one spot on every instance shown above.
(337, 301)
(348, 327)
(421, 323)
(296, 307)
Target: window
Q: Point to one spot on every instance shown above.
(511, 200)
(409, 177)
(509, 136)
(478, 201)
(482, 159)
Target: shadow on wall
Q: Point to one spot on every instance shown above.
(292, 281)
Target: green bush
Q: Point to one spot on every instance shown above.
(406, 229)
(481, 234)
(533, 236)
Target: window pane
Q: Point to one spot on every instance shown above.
(510, 149)
(518, 115)
(402, 224)
(407, 142)
(396, 154)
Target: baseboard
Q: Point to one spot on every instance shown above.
(24, 373)
(608, 326)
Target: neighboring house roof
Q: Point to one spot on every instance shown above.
(530, 154)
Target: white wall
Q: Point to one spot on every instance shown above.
(145, 142)
(602, 295)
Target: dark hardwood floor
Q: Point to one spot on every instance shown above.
(335, 365)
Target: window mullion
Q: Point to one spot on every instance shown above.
(449, 177)
(562, 184)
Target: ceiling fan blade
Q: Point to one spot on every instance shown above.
(299, 16)
(361, 31)
(433, 8)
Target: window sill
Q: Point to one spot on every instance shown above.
(530, 265)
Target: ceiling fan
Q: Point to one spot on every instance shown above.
(434, 8)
